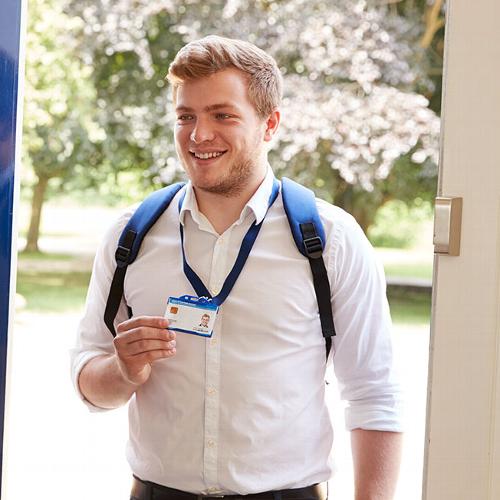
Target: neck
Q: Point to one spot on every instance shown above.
(223, 211)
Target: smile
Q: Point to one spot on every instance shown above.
(206, 156)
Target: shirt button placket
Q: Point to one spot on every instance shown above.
(218, 272)
(212, 377)
(212, 414)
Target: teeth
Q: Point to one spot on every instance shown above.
(206, 156)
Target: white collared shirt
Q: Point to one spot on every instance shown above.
(245, 411)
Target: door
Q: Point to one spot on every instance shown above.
(463, 414)
(11, 71)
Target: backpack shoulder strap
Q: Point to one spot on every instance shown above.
(130, 242)
(309, 235)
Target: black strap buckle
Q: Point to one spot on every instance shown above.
(314, 247)
(121, 255)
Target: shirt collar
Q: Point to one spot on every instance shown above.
(189, 205)
(258, 203)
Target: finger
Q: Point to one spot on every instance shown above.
(149, 357)
(149, 321)
(142, 346)
(143, 333)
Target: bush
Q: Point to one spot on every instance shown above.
(397, 225)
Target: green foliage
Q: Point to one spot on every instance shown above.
(367, 53)
(397, 224)
(60, 132)
(132, 99)
(97, 110)
(419, 9)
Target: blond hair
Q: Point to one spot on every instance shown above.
(214, 53)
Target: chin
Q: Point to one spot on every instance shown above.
(216, 187)
(205, 179)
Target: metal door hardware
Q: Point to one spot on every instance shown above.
(447, 225)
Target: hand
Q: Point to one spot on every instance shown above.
(139, 342)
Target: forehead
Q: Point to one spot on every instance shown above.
(228, 86)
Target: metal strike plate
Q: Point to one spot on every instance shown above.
(447, 225)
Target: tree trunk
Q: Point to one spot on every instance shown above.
(433, 23)
(364, 217)
(362, 205)
(36, 214)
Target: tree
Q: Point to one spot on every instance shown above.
(355, 75)
(129, 48)
(351, 109)
(431, 17)
(60, 134)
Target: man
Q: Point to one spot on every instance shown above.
(243, 413)
(204, 321)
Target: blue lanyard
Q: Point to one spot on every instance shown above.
(246, 247)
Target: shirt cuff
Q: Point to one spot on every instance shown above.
(375, 417)
(77, 366)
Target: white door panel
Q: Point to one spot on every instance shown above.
(463, 424)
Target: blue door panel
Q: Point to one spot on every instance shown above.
(10, 23)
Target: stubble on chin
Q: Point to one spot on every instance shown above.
(234, 183)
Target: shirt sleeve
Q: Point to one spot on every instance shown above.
(363, 356)
(93, 337)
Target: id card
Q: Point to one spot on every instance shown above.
(188, 314)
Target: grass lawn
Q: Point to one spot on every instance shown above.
(44, 256)
(58, 283)
(410, 308)
(422, 270)
(56, 280)
(411, 263)
(52, 282)
(53, 291)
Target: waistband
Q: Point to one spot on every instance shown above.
(146, 490)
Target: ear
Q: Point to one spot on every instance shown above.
(272, 124)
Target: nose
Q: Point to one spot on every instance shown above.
(202, 131)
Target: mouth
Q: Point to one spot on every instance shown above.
(208, 156)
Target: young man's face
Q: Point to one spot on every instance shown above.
(219, 137)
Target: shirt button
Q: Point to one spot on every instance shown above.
(210, 443)
(212, 489)
(213, 342)
(212, 391)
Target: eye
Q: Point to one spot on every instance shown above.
(223, 116)
(184, 118)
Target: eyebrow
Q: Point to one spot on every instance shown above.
(207, 109)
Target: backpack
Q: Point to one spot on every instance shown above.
(305, 224)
